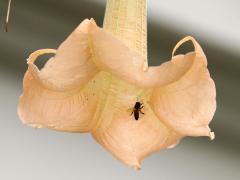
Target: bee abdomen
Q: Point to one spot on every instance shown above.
(136, 115)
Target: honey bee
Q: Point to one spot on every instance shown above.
(137, 108)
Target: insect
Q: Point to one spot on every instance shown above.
(137, 108)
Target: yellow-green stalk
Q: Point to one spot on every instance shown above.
(127, 20)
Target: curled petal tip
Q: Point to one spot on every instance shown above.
(173, 145)
(212, 136)
(37, 126)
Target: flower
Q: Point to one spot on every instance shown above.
(93, 82)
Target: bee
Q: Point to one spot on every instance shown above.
(137, 108)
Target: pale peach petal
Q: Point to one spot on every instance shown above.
(112, 55)
(63, 95)
(71, 110)
(72, 65)
(188, 105)
(127, 139)
(44, 105)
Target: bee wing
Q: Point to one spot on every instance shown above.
(130, 111)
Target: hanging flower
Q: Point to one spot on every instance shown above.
(94, 81)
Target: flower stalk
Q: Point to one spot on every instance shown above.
(127, 20)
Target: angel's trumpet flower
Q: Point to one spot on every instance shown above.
(98, 76)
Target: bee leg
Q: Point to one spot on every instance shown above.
(142, 112)
(131, 113)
